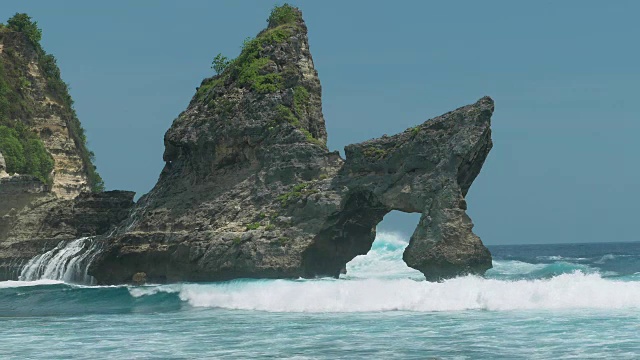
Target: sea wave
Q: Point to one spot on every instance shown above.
(383, 261)
(49, 297)
(519, 270)
(560, 258)
(17, 284)
(566, 291)
(379, 281)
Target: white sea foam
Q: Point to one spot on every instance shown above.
(15, 284)
(381, 281)
(609, 257)
(514, 267)
(147, 290)
(384, 260)
(566, 291)
(561, 258)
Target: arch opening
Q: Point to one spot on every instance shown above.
(384, 258)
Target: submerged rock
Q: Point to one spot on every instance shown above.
(249, 188)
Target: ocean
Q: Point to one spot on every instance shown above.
(570, 301)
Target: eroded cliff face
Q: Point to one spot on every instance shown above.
(46, 221)
(34, 101)
(42, 208)
(249, 188)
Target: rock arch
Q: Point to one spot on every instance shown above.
(427, 169)
(250, 189)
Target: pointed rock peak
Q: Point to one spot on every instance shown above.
(285, 15)
(269, 95)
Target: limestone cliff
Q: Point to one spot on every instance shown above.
(46, 171)
(33, 96)
(249, 188)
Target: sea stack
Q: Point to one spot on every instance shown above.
(249, 188)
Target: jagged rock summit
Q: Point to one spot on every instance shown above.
(250, 189)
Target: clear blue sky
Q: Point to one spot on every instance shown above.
(564, 75)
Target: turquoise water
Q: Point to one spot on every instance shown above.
(576, 301)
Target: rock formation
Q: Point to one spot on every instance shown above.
(37, 98)
(38, 212)
(249, 188)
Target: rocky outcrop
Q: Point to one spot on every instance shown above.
(18, 191)
(249, 188)
(47, 220)
(38, 99)
(46, 171)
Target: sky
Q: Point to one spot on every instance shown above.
(564, 76)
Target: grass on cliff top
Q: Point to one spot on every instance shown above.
(254, 71)
(12, 94)
(251, 69)
(284, 14)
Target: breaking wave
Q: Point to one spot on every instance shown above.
(379, 281)
(566, 291)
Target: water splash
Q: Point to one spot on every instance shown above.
(383, 261)
(563, 292)
(68, 262)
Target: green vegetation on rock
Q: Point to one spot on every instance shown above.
(22, 23)
(285, 14)
(374, 152)
(300, 99)
(296, 193)
(15, 107)
(255, 70)
(251, 69)
(220, 63)
(24, 152)
(285, 114)
(253, 226)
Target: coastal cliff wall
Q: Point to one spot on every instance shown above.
(35, 100)
(46, 172)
